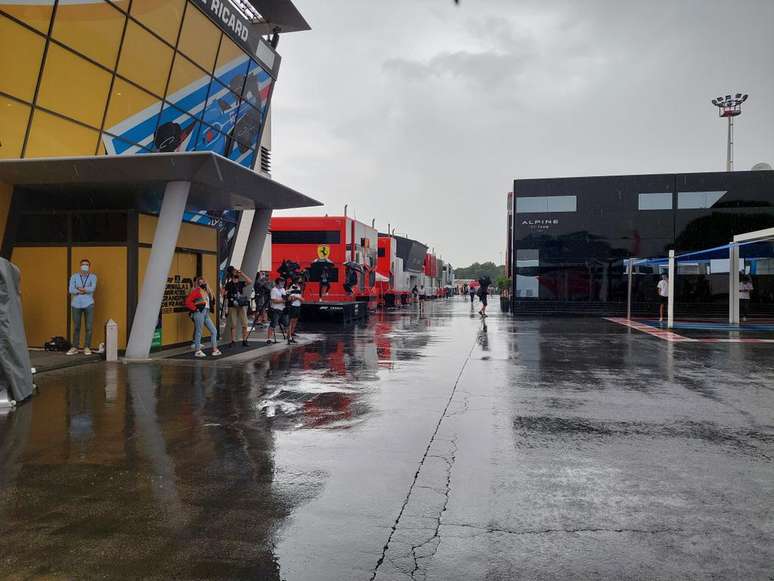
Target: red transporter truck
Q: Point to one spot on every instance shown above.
(385, 276)
(337, 247)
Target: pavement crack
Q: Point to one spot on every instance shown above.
(419, 468)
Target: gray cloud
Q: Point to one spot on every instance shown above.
(420, 114)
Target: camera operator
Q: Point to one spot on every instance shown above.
(262, 289)
(237, 303)
(295, 298)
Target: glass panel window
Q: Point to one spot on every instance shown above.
(188, 86)
(305, 237)
(42, 229)
(102, 227)
(232, 66)
(145, 60)
(210, 139)
(241, 154)
(113, 145)
(247, 125)
(73, 86)
(177, 131)
(35, 14)
(257, 88)
(222, 108)
(21, 52)
(93, 29)
(52, 136)
(13, 123)
(697, 200)
(132, 115)
(163, 18)
(199, 39)
(545, 204)
(656, 201)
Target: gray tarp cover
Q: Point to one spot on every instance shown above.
(15, 368)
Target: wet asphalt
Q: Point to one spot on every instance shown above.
(416, 446)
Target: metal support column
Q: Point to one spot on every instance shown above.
(159, 263)
(629, 290)
(733, 284)
(255, 241)
(730, 145)
(671, 298)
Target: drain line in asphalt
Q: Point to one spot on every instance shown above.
(422, 461)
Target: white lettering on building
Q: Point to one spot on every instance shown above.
(224, 14)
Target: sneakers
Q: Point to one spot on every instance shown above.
(72, 351)
(245, 343)
(216, 353)
(200, 354)
(87, 351)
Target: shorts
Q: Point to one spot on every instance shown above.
(237, 315)
(484, 299)
(663, 300)
(294, 312)
(276, 315)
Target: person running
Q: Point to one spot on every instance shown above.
(236, 302)
(663, 296)
(81, 288)
(295, 298)
(745, 288)
(199, 302)
(483, 294)
(276, 309)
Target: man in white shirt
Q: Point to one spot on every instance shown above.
(276, 308)
(663, 295)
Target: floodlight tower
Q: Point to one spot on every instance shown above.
(730, 107)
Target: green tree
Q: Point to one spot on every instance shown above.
(478, 269)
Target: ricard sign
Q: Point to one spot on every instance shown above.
(242, 31)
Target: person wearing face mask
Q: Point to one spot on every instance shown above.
(82, 286)
(199, 302)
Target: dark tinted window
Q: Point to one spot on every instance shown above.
(305, 237)
(381, 252)
(103, 227)
(42, 229)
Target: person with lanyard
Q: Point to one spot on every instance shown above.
(81, 288)
(276, 308)
(199, 302)
(236, 302)
(295, 298)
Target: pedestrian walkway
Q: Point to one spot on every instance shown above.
(433, 446)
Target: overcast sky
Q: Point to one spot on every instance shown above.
(420, 114)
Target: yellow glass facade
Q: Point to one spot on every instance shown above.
(127, 71)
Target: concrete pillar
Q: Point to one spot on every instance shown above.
(733, 284)
(255, 241)
(159, 263)
(671, 298)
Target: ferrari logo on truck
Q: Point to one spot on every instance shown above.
(323, 251)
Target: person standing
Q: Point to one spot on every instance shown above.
(663, 296)
(236, 302)
(472, 292)
(745, 288)
(81, 288)
(262, 289)
(295, 298)
(199, 302)
(276, 309)
(325, 285)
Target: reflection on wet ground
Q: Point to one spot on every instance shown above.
(433, 446)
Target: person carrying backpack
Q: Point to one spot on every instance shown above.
(199, 302)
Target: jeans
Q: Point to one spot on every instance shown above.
(88, 314)
(202, 319)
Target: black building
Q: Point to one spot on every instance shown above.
(571, 236)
